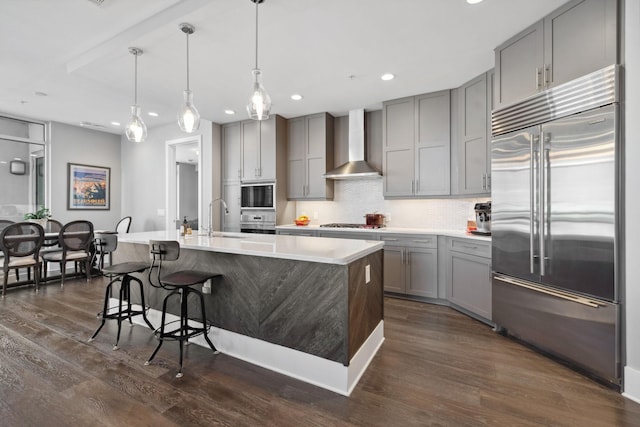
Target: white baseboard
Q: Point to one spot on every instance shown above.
(631, 383)
(315, 370)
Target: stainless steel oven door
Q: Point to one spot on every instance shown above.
(263, 222)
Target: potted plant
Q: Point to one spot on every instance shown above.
(41, 216)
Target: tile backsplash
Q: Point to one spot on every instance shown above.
(354, 199)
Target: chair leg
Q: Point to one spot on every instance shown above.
(36, 273)
(6, 280)
(63, 267)
(144, 305)
(204, 320)
(105, 308)
(123, 290)
(160, 338)
(87, 266)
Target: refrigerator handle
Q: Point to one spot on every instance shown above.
(532, 177)
(542, 214)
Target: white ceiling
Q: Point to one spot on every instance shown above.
(76, 52)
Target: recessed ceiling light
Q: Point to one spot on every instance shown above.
(296, 97)
(473, 1)
(17, 158)
(387, 76)
(40, 94)
(3, 162)
(115, 123)
(230, 112)
(152, 114)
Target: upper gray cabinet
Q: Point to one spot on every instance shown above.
(416, 141)
(309, 157)
(471, 174)
(231, 143)
(576, 39)
(260, 140)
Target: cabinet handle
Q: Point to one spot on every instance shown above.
(484, 181)
(488, 182)
(473, 248)
(388, 239)
(547, 75)
(239, 173)
(413, 186)
(422, 241)
(402, 256)
(538, 78)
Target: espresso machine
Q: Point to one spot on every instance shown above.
(483, 218)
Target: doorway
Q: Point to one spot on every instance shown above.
(184, 183)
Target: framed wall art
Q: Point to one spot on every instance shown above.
(89, 187)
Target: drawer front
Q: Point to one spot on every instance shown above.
(471, 247)
(416, 241)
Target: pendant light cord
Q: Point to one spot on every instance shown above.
(257, 1)
(135, 79)
(187, 61)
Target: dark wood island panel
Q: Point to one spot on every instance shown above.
(326, 310)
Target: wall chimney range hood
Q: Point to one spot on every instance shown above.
(356, 167)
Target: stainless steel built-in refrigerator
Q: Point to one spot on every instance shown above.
(555, 185)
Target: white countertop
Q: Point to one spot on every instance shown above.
(301, 248)
(388, 230)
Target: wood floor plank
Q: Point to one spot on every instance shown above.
(436, 367)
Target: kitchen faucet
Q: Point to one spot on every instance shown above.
(210, 219)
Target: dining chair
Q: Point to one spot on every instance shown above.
(75, 239)
(123, 225)
(21, 243)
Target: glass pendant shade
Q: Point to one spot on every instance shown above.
(260, 102)
(136, 129)
(188, 116)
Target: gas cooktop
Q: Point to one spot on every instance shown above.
(347, 225)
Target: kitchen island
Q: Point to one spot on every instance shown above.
(307, 308)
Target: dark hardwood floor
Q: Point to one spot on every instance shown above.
(436, 367)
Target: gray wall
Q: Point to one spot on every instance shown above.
(143, 169)
(89, 147)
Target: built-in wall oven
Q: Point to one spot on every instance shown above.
(260, 196)
(258, 221)
(258, 208)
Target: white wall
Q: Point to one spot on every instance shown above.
(72, 144)
(143, 169)
(632, 201)
(353, 199)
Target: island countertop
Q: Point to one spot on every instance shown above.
(301, 248)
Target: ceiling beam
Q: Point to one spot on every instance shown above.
(121, 41)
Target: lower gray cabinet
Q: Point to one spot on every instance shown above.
(411, 265)
(297, 232)
(469, 276)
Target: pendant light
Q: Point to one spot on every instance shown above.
(136, 129)
(188, 116)
(260, 102)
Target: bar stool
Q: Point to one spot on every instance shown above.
(179, 284)
(122, 273)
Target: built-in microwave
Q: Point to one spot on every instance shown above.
(258, 196)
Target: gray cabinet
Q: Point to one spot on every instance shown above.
(259, 150)
(416, 145)
(472, 159)
(231, 143)
(469, 276)
(411, 265)
(578, 38)
(231, 173)
(300, 231)
(231, 195)
(309, 156)
(347, 235)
